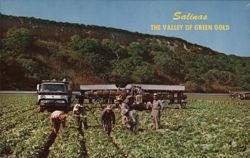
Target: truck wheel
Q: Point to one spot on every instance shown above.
(183, 106)
(41, 109)
(50, 109)
(68, 109)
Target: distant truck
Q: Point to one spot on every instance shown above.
(54, 95)
(242, 95)
(140, 94)
(104, 94)
(143, 93)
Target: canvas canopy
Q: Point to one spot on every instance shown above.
(157, 87)
(98, 87)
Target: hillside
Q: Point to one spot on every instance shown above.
(34, 49)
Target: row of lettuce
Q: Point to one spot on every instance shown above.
(27, 133)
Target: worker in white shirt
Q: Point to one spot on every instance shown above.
(56, 119)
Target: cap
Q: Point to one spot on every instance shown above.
(155, 94)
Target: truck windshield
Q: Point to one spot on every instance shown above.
(53, 88)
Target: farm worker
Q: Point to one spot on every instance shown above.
(156, 111)
(118, 100)
(124, 109)
(131, 120)
(65, 79)
(108, 117)
(129, 100)
(80, 116)
(57, 117)
(134, 120)
(125, 117)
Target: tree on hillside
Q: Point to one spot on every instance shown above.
(91, 53)
(193, 86)
(89, 45)
(154, 46)
(115, 48)
(136, 49)
(95, 62)
(144, 73)
(220, 77)
(121, 73)
(18, 40)
(33, 69)
(165, 61)
(84, 45)
(122, 70)
(75, 42)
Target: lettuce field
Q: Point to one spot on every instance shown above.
(210, 126)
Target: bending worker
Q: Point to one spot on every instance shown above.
(108, 119)
(80, 116)
(56, 119)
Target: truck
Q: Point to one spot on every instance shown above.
(54, 95)
(143, 93)
(139, 94)
(242, 95)
(104, 94)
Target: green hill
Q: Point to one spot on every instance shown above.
(34, 49)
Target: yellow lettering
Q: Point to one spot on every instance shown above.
(177, 15)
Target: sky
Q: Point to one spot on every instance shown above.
(139, 15)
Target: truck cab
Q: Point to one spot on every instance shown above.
(54, 95)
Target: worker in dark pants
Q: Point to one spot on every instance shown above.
(80, 116)
(131, 120)
(108, 119)
(56, 119)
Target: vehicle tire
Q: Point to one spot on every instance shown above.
(41, 109)
(67, 109)
(183, 106)
(49, 109)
